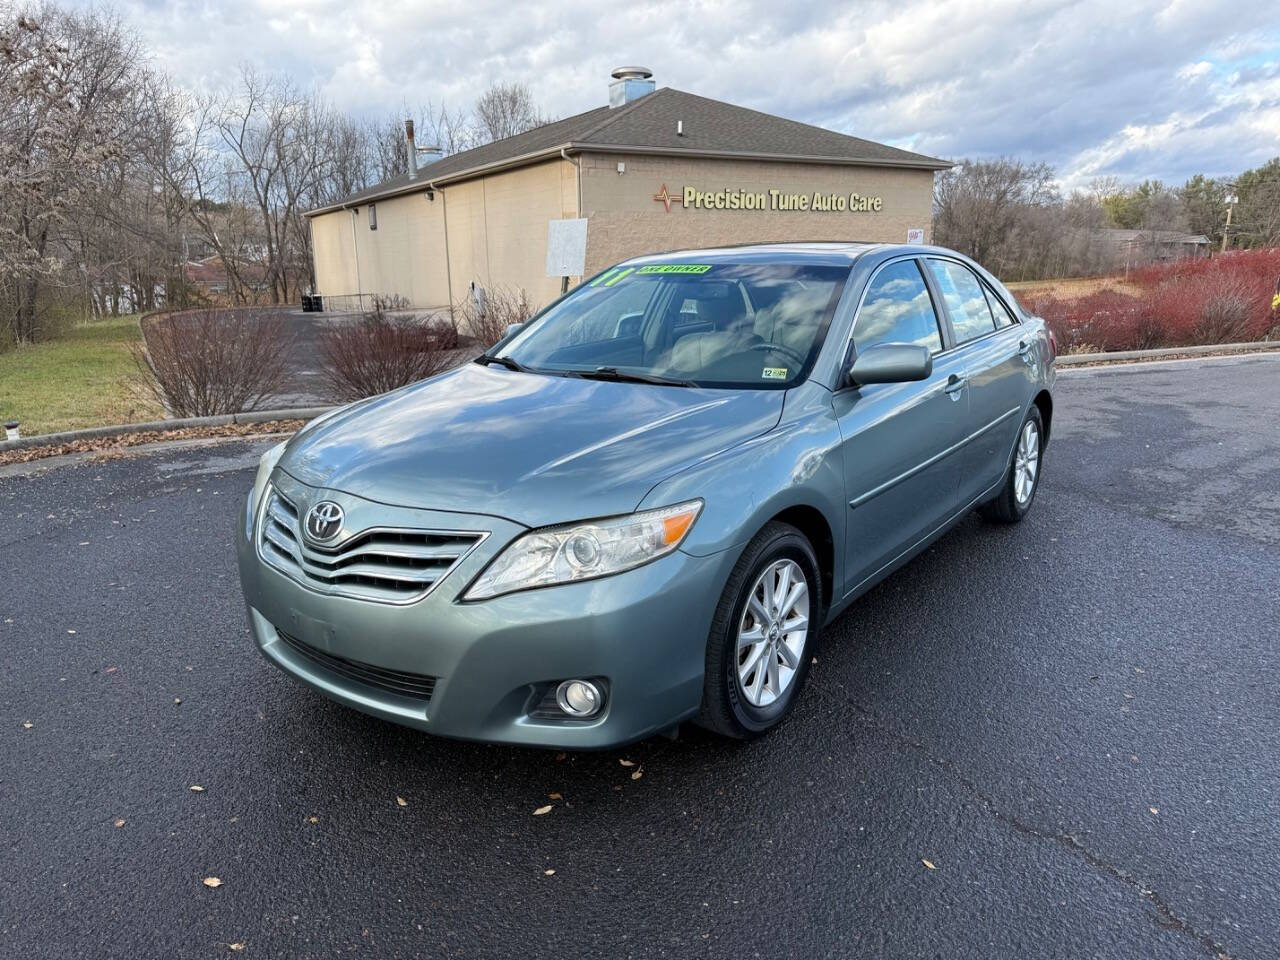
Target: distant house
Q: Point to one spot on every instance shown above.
(1135, 247)
(209, 275)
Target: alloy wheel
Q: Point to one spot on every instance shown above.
(1026, 462)
(772, 632)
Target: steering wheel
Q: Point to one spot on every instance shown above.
(783, 349)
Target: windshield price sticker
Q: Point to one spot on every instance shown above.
(773, 373)
(675, 268)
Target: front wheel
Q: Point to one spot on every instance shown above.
(1022, 476)
(758, 650)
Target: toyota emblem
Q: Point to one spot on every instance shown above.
(324, 520)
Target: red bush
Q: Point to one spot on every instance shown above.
(1224, 299)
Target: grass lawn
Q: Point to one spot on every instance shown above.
(1071, 289)
(83, 379)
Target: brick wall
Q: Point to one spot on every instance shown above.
(626, 221)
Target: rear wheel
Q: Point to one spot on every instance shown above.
(1023, 475)
(758, 650)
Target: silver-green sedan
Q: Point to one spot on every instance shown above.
(642, 506)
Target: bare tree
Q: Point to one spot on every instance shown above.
(976, 204)
(504, 110)
(64, 79)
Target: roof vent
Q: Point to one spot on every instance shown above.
(630, 83)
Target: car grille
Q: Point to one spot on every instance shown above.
(389, 566)
(415, 685)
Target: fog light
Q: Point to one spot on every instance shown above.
(579, 698)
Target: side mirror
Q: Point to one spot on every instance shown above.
(890, 363)
(512, 328)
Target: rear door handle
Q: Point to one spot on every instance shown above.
(1024, 348)
(955, 383)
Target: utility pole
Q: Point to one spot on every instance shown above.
(1226, 232)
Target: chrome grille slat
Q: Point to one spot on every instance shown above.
(383, 565)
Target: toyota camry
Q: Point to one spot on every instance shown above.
(642, 506)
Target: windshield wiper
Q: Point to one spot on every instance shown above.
(625, 376)
(487, 358)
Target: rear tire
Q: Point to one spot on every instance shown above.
(758, 653)
(1022, 475)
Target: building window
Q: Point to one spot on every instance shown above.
(373, 216)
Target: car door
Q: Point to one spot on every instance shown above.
(901, 477)
(993, 359)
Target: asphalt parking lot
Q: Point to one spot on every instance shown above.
(1073, 721)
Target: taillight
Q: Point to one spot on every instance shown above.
(1053, 345)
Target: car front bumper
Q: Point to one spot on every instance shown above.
(488, 665)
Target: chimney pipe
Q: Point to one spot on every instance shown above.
(413, 150)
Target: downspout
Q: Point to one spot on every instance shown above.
(577, 168)
(448, 269)
(355, 250)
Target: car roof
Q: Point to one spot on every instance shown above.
(837, 253)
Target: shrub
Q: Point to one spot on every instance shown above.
(200, 363)
(1223, 299)
(380, 352)
(503, 306)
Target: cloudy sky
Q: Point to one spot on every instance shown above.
(1133, 88)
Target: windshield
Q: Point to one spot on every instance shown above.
(713, 325)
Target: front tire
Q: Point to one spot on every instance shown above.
(1022, 477)
(758, 652)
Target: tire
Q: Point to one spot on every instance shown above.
(730, 706)
(1008, 506)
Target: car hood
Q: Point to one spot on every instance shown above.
(534, 449)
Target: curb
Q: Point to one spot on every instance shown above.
(1168, 353)
(224, 420)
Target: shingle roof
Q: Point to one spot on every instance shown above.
(710, 128)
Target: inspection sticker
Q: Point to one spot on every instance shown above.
(675, 268)
(773, 373)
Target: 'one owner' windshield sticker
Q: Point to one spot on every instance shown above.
(675, 268)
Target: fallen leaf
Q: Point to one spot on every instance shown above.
(637, 775)
(1154, 811)
(814, 660)
(118, 822)
(27, 724)
(212, 882)
(313, 819)
(401, 802)
(928, 864)
(1128, 696)
(111, 670)
(196, 788)
(541, 810)
(177, 699)
(548, 873)
(71, 631)
(554, 796)
(627, 763)
(237, 946)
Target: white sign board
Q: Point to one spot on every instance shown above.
(915, 235)
(566, 248)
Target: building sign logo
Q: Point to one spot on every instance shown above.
(666, 199)
(769, 201)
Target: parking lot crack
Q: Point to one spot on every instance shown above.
(1167, 917)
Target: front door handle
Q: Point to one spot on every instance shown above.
(955, 383)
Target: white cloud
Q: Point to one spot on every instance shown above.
(1141, 89)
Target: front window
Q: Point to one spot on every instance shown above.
(700, 324)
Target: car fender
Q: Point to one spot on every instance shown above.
(797, 464)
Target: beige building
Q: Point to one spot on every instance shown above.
(652, 171)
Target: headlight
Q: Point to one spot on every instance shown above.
(265, 466)
(585, 551)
